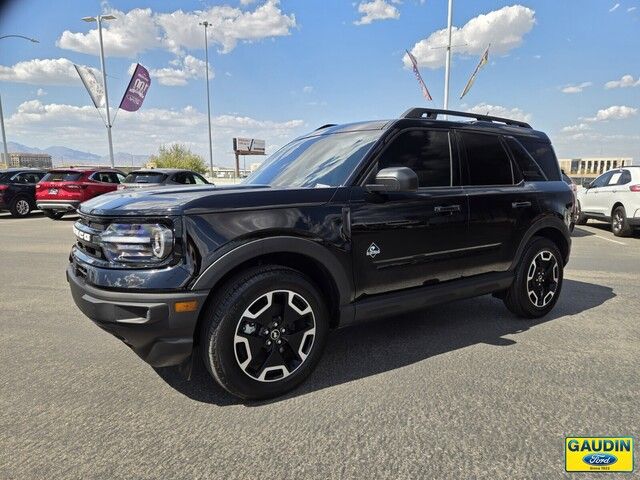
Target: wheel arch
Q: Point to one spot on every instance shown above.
(552, 228)
(616, 205)
(306, 256)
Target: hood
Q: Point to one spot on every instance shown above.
(200, 199)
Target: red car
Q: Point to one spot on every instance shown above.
(63, 190)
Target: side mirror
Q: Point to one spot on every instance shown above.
(395, 179)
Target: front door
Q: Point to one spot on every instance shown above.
(595, 198)
(408, 239)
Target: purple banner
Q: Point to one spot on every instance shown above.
(137, 89)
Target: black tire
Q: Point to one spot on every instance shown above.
(52, 214)
(619, 224)
(580, 218)
(21, 207)
(519, 298)
(225, 321)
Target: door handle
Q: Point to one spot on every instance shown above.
(446, 208)
(520, 204)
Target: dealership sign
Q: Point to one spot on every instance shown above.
(248, 146)
(137, 89)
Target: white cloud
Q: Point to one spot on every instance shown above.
(625, 81)
(228, 26)
(500, 111)
(45, 71)
(189, 68)
(581, 127)
(631, 9)
(246, 2)
(614, 8)
(144, 131)
(615, 112)
(576, 88)
(504, 29)
(139, 30)
(130, 34)
(376, 10)
(41, 92)
(307, 89)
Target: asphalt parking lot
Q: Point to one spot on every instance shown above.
(462, 390)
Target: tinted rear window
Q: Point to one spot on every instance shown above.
(543, 154)
(528, 166)
(487, 161)
(144, 177)
(62, 176)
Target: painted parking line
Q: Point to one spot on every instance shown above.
(609, 239)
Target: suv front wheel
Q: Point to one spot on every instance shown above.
(264, 333)
(538, 281)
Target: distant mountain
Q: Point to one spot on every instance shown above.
(65, 155)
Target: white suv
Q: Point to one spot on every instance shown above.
(613, 197)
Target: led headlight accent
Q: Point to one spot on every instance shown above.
(136, 243)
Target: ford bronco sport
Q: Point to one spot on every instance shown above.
(348, 223)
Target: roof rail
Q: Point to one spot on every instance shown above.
(325, 126)
(432, 113)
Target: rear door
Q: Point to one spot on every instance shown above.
(407, 239)
(593, 200)
(501, 204)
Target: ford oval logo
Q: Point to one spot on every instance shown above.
(603, 459)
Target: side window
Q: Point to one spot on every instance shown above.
(426, 152)
(530, 169)
(543, 154)
(120, 177)
(601, 181)
(199, 180)
(487, 160)
(614, 179)
(181, 178)
(625, 177)
(40, 176)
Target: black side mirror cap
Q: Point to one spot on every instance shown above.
(395, 179)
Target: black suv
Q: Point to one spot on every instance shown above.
(18, 190)
(349, 223)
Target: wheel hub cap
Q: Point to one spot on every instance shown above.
(543, 278)
(274, 335)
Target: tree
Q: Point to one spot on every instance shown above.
(178, 156)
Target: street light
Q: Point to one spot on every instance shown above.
(99, 20)
(206, 53)
(4, 135)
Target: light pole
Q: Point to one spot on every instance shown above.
(99, 20)
(447, 64)
(4, 135)
(206, 54)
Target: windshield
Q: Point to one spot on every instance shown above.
(315, 162)
(144, 177)
(62, 176)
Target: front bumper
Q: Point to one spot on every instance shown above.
(58, 205)
(146, 322)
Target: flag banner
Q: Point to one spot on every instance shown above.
(137, 89)
(423, 87)
(483, 61)
(92, 83)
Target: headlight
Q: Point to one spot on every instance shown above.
(136, 242)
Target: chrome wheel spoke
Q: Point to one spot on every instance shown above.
(542, 278)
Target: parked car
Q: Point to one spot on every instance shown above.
(62, 190)
(613, 197)
(158, 177)
(574, 188)
(348, 223)
(18, 189)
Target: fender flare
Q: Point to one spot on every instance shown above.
(545, 222)
(281, 244)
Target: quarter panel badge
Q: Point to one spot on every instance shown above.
(373, 250)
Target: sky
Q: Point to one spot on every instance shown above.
(282, 68)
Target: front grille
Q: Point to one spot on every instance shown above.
(93, 228)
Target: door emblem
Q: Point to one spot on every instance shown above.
(373, 250)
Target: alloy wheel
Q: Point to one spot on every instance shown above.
(274, 335)
(542, 278)
(618, 221)
(22, 207)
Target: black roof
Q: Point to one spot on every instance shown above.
(421, 117)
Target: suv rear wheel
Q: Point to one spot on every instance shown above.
(20, 207)
(580, 218)
(53, 214)
(536, 287)
(619, 225)
(264, 333)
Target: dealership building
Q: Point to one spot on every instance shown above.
(23, 159)
(588, 168)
